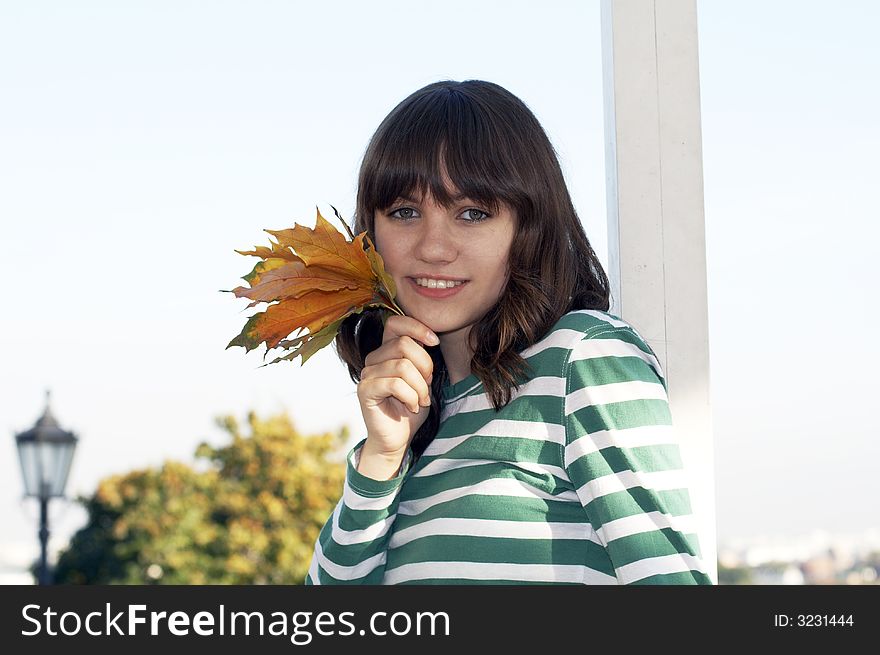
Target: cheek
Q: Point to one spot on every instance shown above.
(380, 239)
(495, 271)
(394, 254)
(495, 255)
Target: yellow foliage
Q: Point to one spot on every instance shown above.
(252, 517)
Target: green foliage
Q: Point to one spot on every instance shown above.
(250, 517)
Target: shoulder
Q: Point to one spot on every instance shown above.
(590, 334)
(585, 324)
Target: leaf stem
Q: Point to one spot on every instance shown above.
(397, 308)
(344, 224)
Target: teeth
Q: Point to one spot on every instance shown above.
(437, 284)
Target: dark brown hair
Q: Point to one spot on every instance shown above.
(494, 150)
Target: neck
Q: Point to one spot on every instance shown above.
(456, 354)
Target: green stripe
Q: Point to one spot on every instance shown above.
(351, 554)
(609, 370)
(548, 361)
(649, 459)
(449, 548)
(358, 519)
(655, 543)
(467, 581)
(470, 475)
(516, 449)
(631, 502)
(498, 508)
(685, 578)
(581, 323)
(533, 409)
(618, 416)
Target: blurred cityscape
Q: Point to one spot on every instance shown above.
(815, 559)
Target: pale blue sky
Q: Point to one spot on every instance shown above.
(141, 142)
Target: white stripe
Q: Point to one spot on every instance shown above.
(535, 430)
(353, 500)
(646, 435)
(574, 573)
(491, 487)
(313, 568)
(442, 445)
(442, 465)
(647, 522)
(494, 528)
(615, 482)
(645, 568)
(365, 535)
(560, 338)
(463, 394)
(464, 404)
(545, 385)
(348, 572)
(616, 392)
(502, 428)
(596, 348)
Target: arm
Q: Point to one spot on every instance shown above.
(351, 547)
(624, 461)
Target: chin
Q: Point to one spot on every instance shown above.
(442, 324)
(440, 319)
(436, 323)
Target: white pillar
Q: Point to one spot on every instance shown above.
(656, 231)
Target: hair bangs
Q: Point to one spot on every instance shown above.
(438, 147)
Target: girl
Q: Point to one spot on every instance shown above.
(516, 432)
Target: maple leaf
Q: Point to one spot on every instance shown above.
(312, 279)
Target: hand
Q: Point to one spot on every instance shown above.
(394, 391)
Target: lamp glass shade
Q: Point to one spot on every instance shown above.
(45, 466)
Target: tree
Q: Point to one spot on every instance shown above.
(250, 514)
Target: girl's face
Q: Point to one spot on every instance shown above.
(419, 240)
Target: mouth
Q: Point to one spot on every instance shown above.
(435, 287)
(432, 282)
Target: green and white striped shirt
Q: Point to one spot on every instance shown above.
(578, 480)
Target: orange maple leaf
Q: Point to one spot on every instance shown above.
(316, 278)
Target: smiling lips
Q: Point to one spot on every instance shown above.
(436, 287)
(432, 283)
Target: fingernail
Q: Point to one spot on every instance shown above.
(426, 402)
(433, 339)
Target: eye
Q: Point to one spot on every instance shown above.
(403, 213)
(474, 215)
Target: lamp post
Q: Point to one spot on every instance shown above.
(45, 452)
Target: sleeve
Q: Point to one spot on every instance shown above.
(623, 459)
(351, 547)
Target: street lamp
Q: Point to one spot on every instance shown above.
(45, 452)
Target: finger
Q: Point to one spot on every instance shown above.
(398, 326)
(377, 390)
(404, 347)
(402, 368)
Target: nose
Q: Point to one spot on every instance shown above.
(436, 243)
